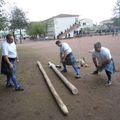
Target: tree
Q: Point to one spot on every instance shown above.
(116, 11)
(18, 20)
(2, 22)
(3, 19)
(116, 21)
(37, 29)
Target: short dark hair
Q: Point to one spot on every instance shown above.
(8, 36)
(97, 45)
(58, 42)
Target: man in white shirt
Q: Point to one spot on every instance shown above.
(8, 64)
(67, 57)
(102, 59)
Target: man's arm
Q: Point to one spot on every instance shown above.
(64, 55)
(108, 58)
(8, 62)
(95, 62)
(60, 57)
(5, 56)
(106, 62)
(17, 58)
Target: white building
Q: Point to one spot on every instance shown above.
(107, 24)
(61, 25)
(65, 25)
(86, 27)
(86, 23)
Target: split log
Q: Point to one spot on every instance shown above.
(53, 91)
(71, 87)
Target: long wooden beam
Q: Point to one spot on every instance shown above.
(71, 87)
(53, 91)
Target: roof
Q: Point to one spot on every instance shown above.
(85, 19)
(65, 15)
(62, 16)
(106, 21)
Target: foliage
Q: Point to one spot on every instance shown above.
(116, 21)
(3, 19)
(37, 28)
(3, 22)
(116, 11)
(18, 19)
(1, 2)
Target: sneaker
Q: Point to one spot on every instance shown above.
(63, 71)
(95, 72)
(78, 67)
(108, 83)
(58, 66)
(9, 86)
(19, 89)
(77, 76)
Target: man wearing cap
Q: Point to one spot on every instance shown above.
(8, 64)
(102, 60)
(67, 57)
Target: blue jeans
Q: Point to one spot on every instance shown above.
(11, 79)
(75, 67)
(71, 60)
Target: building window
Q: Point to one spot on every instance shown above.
(76, 20)
(84, 24)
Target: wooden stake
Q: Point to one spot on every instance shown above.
(53, 91)
(71, 87)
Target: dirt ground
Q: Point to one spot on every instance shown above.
(94, 101)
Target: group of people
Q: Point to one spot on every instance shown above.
(101, 56)
(102, 60)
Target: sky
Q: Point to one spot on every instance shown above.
(37, 10)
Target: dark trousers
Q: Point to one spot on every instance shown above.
(12, 77)
(109, 75)
(70, 60)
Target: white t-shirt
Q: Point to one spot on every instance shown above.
(102, 56)
(65, 47)
(9, 50)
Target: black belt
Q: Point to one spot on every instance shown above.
(69, 54)
(12, 59)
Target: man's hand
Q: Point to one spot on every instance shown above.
(63, 59)
(17, 61)
(99, 65)
(10, 66)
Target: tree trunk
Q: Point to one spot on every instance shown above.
(53, 91)
(13, 32)
(20, 37)
(71, 87)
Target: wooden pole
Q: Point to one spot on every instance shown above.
(53, 91)
(71, 87)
